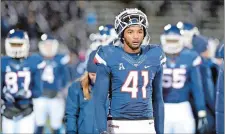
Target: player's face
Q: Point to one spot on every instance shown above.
(92, 76)
(133, 36)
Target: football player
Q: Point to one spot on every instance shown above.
(106, 36)
(181, 77)
(55, 78)
(200, 44)
(134, 76)
(20, 82)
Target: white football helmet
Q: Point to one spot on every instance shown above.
(171, 39)
(48, 46)
(131, 16)
(17, 44)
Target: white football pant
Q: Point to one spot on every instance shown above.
(131, 126)
(22, 126)
(179, 118)
(52, 107)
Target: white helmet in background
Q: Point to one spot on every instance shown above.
(17, 44)
(171, 39)
(48, 46)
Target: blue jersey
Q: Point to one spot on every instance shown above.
(23, 74)
(220, 101)
(56, 75)
(132, 78)
(181, 76)
(200, 45)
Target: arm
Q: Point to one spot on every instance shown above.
(100, 94)
(37, 87)
(208, 87)
(72, 110)
(65, 76)
(158, 103)
(196, 88)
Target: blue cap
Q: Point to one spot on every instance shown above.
(91, 66)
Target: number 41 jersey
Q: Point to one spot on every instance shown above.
(181, 77)
(21, 74)
(131, 77)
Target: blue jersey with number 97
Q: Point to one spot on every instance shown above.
(21, 74)
(181, 77)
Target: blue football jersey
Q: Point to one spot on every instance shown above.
(56, 75)
(181, 77)
(132, 79)
(23, 74)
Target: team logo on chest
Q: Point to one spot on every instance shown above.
(121, 67)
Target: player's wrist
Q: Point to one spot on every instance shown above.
(201, 114)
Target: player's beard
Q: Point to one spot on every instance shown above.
(131, 45)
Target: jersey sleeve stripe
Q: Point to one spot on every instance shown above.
(197, 61)
(163, 60)
(99, 60)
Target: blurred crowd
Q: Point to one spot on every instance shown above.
(71, 22)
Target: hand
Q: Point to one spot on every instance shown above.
(23, 94)
(202, 122)
(9, 97)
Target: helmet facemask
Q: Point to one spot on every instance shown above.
(171, 43)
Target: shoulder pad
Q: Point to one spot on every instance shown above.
(76, 86)
(4, 60)
(194, 56)
(158, 53)
(103, 53)
(37, 60)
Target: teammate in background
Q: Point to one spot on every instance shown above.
(55, 77)
(220, 96)
(181, 77)
(77, 65)
(134, 75)
(108, 35)
(105, 36)
(20, 82)
(80, 104)
(200, 44)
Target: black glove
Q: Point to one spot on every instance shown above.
(202, 124)
(9, 97)
(23, 94)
